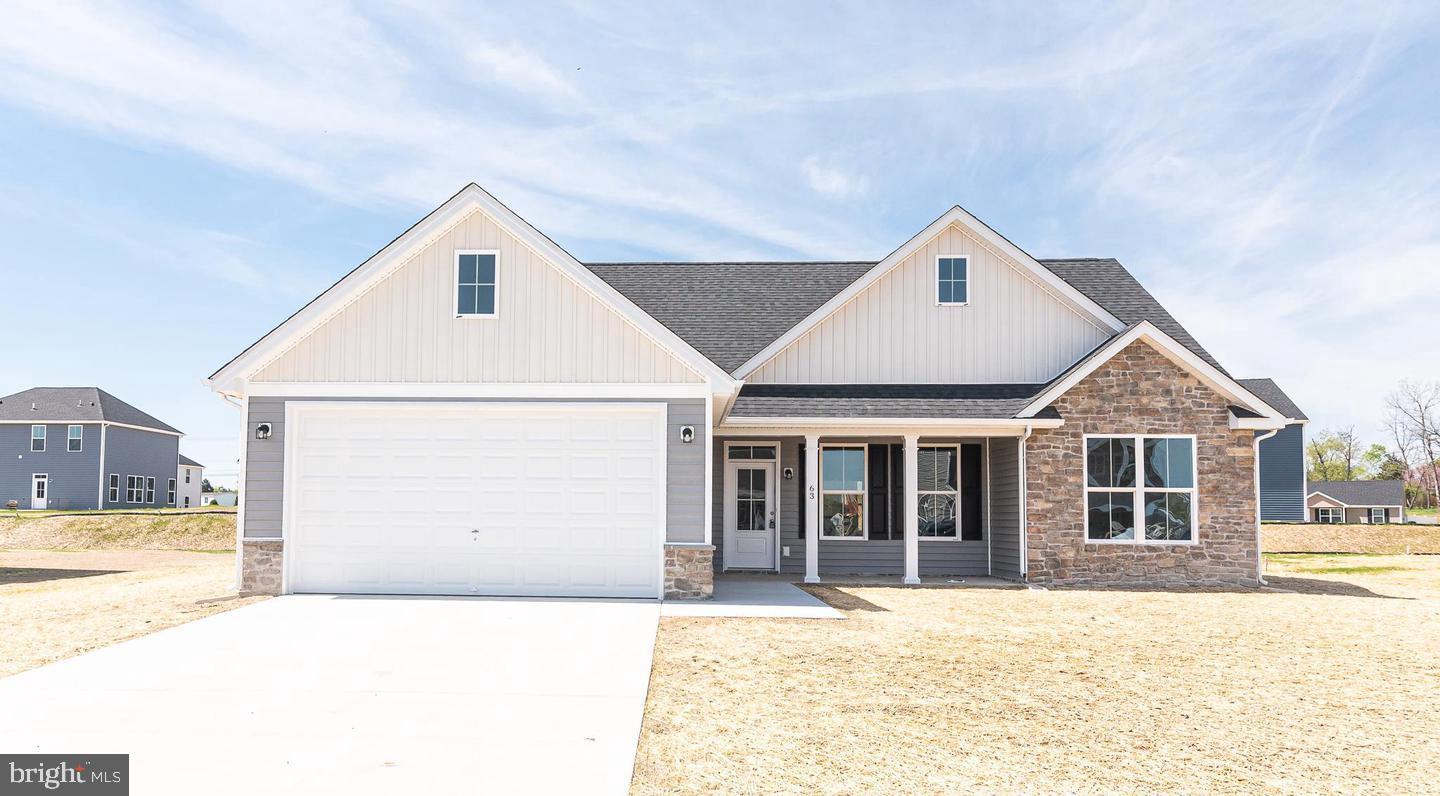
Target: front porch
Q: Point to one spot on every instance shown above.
(888, 505)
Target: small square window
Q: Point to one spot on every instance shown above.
(476, 284)
(952, 281)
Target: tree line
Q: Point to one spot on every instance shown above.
(1411, 454)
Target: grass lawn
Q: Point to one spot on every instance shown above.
(1328, 682)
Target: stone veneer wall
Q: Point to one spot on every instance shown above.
(1139, 391)
(260, 563)
(689, 572)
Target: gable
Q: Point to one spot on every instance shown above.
(549, 328)
(1015, 328)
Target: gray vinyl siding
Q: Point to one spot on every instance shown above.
(684, 464)
(840, 556)
(73, 481)
(1282, 475)
(131, 451)
(1004, 485)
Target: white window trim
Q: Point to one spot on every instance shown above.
(863, 491)
(1140, 489)
(964, 257)
(455, 286)
(743, 444)
(187, 475)
(170, 493)
(134, 489)
(113, 488)
(150, 489)
(956, 493)
(43, 433)
(1384, 515)
(81, 438)
(1329, 511)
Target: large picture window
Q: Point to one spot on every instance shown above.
(1140, 489)
(939, 491)
(842, 492)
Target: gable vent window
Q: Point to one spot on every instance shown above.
(952, 279)
(476, 283)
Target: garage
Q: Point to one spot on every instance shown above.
(475, 498)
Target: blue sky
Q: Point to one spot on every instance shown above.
(175, 180)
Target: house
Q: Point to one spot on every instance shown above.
(188, 480)
(1282, 457)
(223, 499)
(83, 448)
(473, 411)
(1356, 501)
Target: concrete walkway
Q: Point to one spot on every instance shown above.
(357, 695)
(762, 596)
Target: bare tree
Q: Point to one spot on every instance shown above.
(1348, 454)
(1415, 405)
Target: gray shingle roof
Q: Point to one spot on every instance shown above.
(1269, 392)
(75, 405)
(189, 462)
(731, 311)
(1363, 493)
(978, 401)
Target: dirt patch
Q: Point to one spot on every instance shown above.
(1374, 539)
(59, 604)
(1070, 691)
(107, 531)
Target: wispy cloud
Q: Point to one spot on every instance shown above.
(832, 182)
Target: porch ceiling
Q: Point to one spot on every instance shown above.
(884, 401)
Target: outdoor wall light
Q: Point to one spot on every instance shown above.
(788, 473)
(262, 431)
(687, 434)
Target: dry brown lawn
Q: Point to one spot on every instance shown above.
(1332, 686)
(174, 529)
(55, 605)
(1377, 539)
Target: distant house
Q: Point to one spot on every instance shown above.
(83, 448)
(227, 499)
(1282, 457)
(188, 479)
(1356, 501)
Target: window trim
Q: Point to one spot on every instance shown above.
(1139, 490)
(919, 493)
(170, 493)
(966, 280)
(149, 490)
(187, 475)
(134, 489)
(1384, 515)
(744, 444)
(1330, 511)
(455, 286)
(863, 491)
(80, 439)
(44, 433)
(113, 488)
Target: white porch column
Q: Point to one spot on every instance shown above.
(912, 509)
(812, 508)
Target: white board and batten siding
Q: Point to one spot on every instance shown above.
(549, 329)
(1014, 330)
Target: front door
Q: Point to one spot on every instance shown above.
(39, 488)
(750, 516)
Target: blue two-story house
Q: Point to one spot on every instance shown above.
(74, 448)
(1282, 457)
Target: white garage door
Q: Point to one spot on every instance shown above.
(475, 498)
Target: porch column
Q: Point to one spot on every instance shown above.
(912, 509)
(812, 508)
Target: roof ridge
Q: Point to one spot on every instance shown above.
(733, 262)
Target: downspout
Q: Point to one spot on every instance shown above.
(1259, 550)
(1024, 510)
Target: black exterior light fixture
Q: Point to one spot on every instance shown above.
(687, 434)
(262, 431)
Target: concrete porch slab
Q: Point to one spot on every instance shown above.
(755, 596)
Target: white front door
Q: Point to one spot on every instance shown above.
(39, 489)
(750, 515)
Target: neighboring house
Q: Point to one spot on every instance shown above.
(83, 448)
(1356, 501)
(1282, 456)
(188, 480)
(473, 411)
(226, 499)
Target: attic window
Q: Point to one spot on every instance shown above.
(476, 283)
(952, 281)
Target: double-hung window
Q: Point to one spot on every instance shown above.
(170, 493)
(952, 281)
(75, 439)
(150, 489)
(1377, 516)
(1326, 514)
(134, 489)
(842, 492)
(477, 284)
(37, 439)
(187, 475)
(114, 491)
(1140, 488)
(939, 491)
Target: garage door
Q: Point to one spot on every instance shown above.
(475, 498)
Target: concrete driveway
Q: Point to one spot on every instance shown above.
(355, 695)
